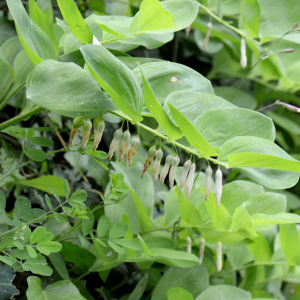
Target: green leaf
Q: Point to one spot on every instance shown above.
(267, 203)
(44, 182)
(24, 212)
(239, 191)
(62, 87)
(128, 243)
(174, 258)
(2, 201)
(88, 224)
(60, 265)
(62, 290)
(157, 111)
(274, 179)
(81, 257)
(40, 19)
(188, 212)
(77, 199)
(119, 229)
(22, 67)
(103, 226)
(260, 249)
(35, 154)
(196, 104)
(31, 252)
(250, 12)
(46, 7)
(191, 133)
(219, 125)
(41, 141)
(114, 29)
(241, 99)
(37, 235)
(34, 41)
(220, 217)
(54, 194)
(116, 247)
(166, 78)
(289, 240)
(139, 289)
(48, 247)
(224, 292)
(8, 260)
(153, 16)
(67, 189)
(7, 275)
(281, 218)
(194, 280)
(122, 86)
(75, 21)
(177, 293)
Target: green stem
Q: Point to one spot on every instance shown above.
(19, 118)
(220, 20)
(16, 168)
(4, 102)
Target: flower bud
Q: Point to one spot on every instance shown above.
(149, 159)
(99, 127)
(207, 36)
(219, 256)
(172, 174)
(131, 150)
(218, 186)
(114, 143)
(201, 252)
(190, 180)
(208, 175)
(288, 106)
(188, 245)
(158, 157)
(166, 168)
(243, 54)
(185, 170)
(125, 140)
(87, 126)
(77, 122)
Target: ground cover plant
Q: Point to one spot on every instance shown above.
(149, 149)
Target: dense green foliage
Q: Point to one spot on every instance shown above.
(182, 91)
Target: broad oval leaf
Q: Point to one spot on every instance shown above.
(159, 114)
(193, 104)
(224, 292)
(34, 41)
(41, 141)
(75, 21)
(250, 12)
(119, 229)
(38, 234)
(238, 152)
(116, 79)
(7, 275)
(193, 136)
(166, 78)
(67, 89)
(35, 154)
(221, 124)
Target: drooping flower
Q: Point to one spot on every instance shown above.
(158, 157)
(208, 175)
(87, 126)
(185, 170)
(188, 244)
(77, 123)
(130, 153)
(114, 143)
(149, 159)
(201, 252)
(218, 186)
(219, 256)
(99, 127)
(190, 180)
(172, 174)
(243, 54)
(207, 36)
(125, 140)
(166, 168)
